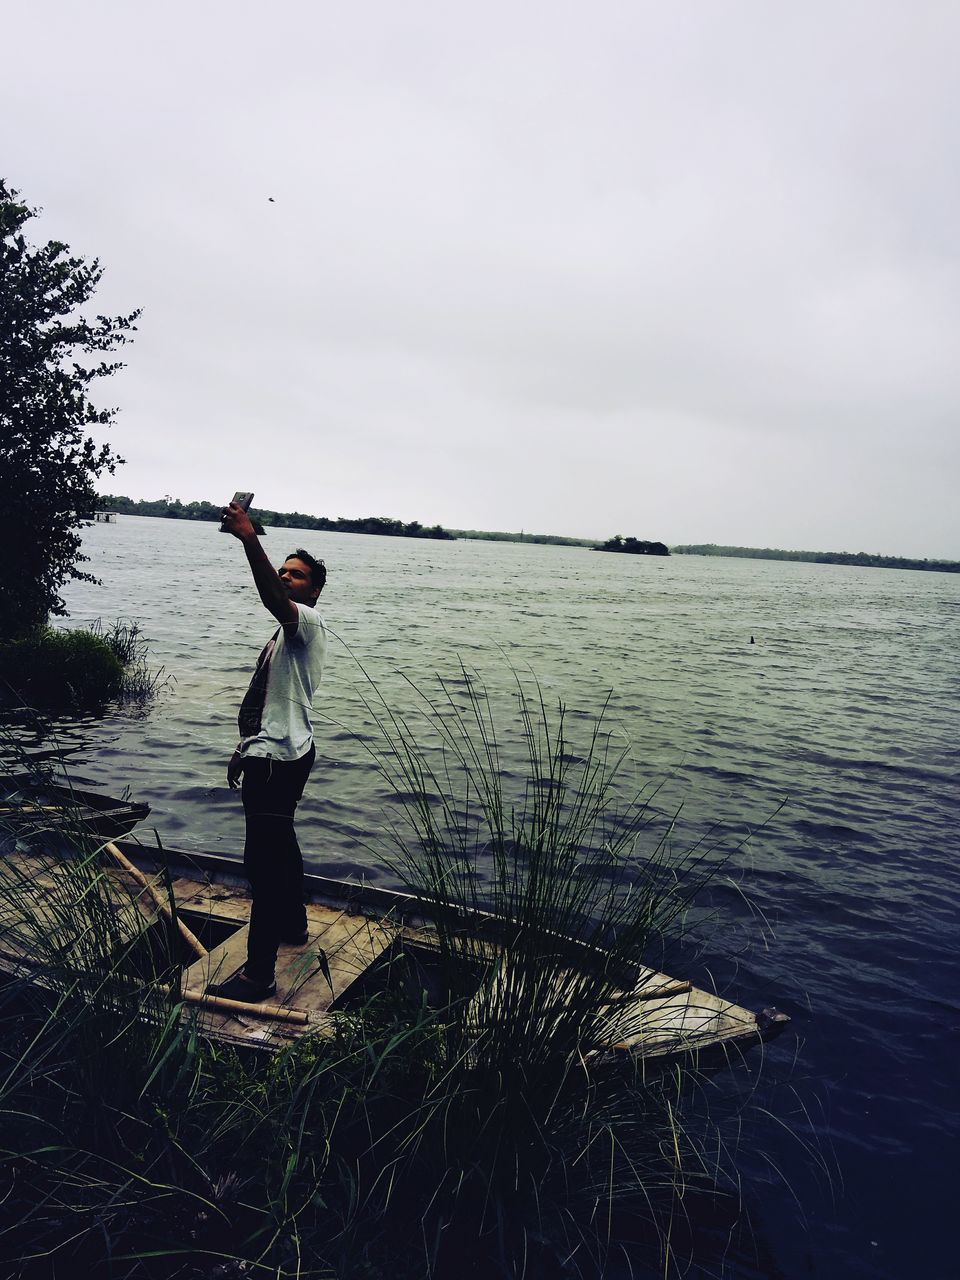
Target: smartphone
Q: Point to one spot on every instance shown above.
(243, 500)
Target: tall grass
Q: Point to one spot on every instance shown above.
(481, 1135)
(531, 1146)
(583, 888)
(126, 642)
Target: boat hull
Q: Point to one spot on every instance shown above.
(26, 801)
(358, 927)
(359, 937)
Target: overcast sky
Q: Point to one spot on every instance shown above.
(683, 271)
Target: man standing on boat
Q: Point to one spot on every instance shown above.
(275, 754)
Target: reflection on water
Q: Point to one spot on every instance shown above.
(844, 707)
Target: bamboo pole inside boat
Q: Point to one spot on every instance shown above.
(275, 1011)
(32, 808)
(189, 937)
(661, 993)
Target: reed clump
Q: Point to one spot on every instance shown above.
(51, 667)
(466, 1125)
(535, 1143)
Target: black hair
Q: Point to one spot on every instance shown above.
(318, 570)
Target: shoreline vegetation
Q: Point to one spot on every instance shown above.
(543, 539)
(173, 509)
(819, 557)
(50, 667)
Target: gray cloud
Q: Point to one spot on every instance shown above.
(686, 272)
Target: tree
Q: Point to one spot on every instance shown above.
(49, 357)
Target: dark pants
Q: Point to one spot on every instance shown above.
(271, 857)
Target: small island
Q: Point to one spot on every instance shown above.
(634, 546)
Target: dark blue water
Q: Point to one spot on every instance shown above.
(832, 741)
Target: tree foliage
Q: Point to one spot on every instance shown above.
(862, 558)
(49, 358)
(174, 509)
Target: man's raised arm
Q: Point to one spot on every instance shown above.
(271, 590)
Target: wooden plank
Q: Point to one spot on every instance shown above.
(232, 1028)
(350, 945)
(299, 971)
(36, 875)
(358, 951)
(234, 1025)
(321, 918)
(688, 1018)
(468, 948)
(47, 895)
(219, 964)
(200, 893)
(225, 901)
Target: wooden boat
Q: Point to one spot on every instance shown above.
(27, 801)
(358, 935)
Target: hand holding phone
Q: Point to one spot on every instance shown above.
(242, 500)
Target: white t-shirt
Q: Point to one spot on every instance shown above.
(275, 713)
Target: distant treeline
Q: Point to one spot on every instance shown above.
(548, 539)
(174, 509)
(634, 546)
(820, 557)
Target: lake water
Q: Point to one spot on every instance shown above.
(843, 711)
